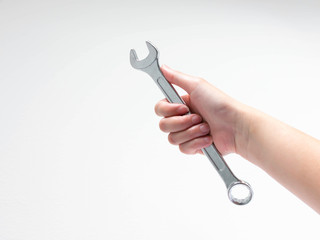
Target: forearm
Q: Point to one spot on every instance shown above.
(288, 155)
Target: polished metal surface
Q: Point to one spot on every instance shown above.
(150, 65)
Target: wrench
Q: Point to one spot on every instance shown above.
(150, 65)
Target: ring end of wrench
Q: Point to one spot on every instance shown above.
(240, 200)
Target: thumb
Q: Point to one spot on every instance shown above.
(186, 82)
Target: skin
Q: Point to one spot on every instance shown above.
(292, 157)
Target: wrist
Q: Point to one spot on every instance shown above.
(244, 119)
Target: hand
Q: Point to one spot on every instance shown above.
(286, 154)
(215, 116)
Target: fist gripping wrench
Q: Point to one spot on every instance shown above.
(150, 65)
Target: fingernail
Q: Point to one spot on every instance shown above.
(196, 119)
(204, 128)
(207, 139)
(183, 109)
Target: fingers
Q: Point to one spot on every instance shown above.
(179, 123)
(192, 140)
(187, 131)
(187, 82)
(165, 109)
(194, 146)
(193, 132)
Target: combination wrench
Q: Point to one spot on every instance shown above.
(150, 65)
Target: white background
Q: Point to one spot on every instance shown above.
(81, 155)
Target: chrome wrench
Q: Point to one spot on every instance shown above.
(150, 65)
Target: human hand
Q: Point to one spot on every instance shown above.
(215, 116)
(289, 157)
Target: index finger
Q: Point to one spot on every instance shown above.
(165, 109)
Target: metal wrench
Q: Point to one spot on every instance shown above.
(150, 65)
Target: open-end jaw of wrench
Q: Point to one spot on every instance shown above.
(150, 65)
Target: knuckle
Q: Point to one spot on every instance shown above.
(162, 125)
(185, 150)
(156, 109)
(196, 144)
(200, 80)
(182, 149)
(197, 80)
(171, 139)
